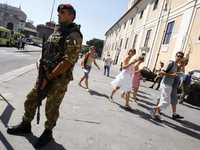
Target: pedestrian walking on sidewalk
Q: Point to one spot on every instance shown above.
(184, 78)
(158, 77)
(169, 74)
(86, 64)
(123, 80)
(136, 78)
(63, 47)
(107, 65)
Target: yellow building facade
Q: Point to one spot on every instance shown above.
(158, 28)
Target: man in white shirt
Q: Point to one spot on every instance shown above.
(107, 64)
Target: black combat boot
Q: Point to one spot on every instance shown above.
(23, 128)
(44, 139)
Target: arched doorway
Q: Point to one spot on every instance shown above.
(10, 26)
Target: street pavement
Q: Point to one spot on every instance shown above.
(12, 58)
(89, 121)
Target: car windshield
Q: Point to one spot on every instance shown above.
(196, 75)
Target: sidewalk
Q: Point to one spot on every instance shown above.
(88, 121)
(31, 48)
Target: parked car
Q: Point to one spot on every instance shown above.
(194, 92)
(195, 76)
(147, 74)
(29, 41)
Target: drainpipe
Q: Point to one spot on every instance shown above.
(187, 36)
(156, 33)
(165, 28)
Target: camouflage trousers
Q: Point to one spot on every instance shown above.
(54, 98)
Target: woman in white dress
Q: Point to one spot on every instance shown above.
(123, 80)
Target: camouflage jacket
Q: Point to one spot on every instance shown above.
(63, 44)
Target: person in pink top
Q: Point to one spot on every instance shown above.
(123, 80)
(137, 77)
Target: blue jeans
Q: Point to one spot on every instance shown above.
(107, 69)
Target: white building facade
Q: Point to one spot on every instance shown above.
(158, 28)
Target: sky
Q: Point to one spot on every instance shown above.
(94, 16)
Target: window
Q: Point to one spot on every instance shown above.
(126, 43)
(120, 28)
(131, 21)
(116, 45)
(141, 14)
(113, 46)
(146, 42)
(168, 32)
(121, 43)
(166, 6)
(135, 40)
(125, 25)
(155, 4)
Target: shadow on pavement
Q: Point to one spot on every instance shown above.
(112, 77)
(5, 116)
(6, 144)
(186, 124)
(190, 106)
(189, 124)
(186, 128)
(51, 146)
(32, 139)
(142, 92)
(182, 130)
(54, 146)
(92, 92)
(146, 102)
(144, 86)
(139, 113)
(144, 97)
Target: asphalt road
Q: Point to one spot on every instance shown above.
(89, 121)
(11, 58)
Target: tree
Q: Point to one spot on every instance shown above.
(98, 43)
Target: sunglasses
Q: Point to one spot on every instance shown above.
(180, 56)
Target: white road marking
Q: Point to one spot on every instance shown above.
(15, 73)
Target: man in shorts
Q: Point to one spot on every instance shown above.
(86, 64)
(169, 74)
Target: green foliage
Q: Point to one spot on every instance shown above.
(98, 43)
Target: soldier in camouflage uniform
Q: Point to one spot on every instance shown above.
(66, 35)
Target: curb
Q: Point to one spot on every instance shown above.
(16, 73)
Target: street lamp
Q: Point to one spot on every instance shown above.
(52, 9)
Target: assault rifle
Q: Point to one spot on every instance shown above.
(48, 62)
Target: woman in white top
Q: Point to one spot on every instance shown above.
(123, 80)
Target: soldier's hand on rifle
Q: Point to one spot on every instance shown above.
(44, 83)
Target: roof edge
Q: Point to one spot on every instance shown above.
(135, 4)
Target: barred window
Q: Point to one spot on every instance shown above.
(141, 14)
(121, 43)
(126, 43)
(135, 40)
(155, 4)
(131, 21)
(168, 32)
(146, 42)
